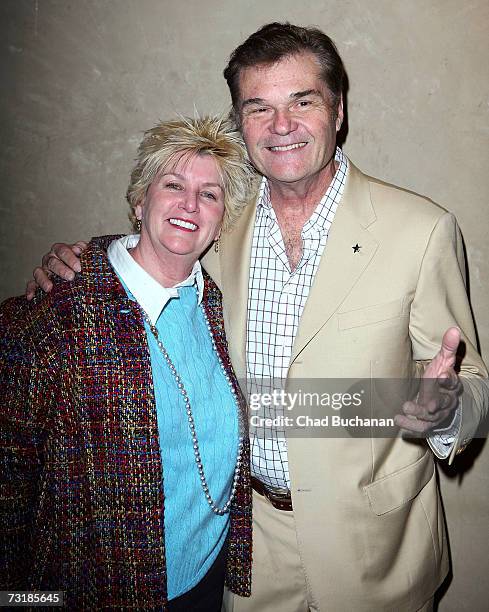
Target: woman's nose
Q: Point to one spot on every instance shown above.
(190, 203)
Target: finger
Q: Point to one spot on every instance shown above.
(410, 424)
(65, 253)
(30, 290)
(429, 390)
(79, 247)
(420, 426)
(449, 400)
(57, 267)
(445, 401)
(425, 413)
(450, 382)
(45, 259)
(42, 280)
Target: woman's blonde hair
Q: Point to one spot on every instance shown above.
(168, 141)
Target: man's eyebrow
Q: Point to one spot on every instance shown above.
(252, 101)
(306, 92)
(294, 96)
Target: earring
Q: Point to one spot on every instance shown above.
(216, 245)
(138, 226)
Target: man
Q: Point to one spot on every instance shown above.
(332, 274)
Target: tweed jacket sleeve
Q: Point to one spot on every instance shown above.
(28, 391)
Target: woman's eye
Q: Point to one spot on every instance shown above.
(209, 195)
(173, 186)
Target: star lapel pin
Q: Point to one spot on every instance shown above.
(356, 248)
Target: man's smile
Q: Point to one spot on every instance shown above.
(289, 147)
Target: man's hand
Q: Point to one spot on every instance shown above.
(62, 260)
(439, 391)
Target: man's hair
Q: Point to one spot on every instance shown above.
(275, 41)
(169, 141)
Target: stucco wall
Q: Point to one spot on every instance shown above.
(81, 80)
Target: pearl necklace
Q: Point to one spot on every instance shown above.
(190, 417)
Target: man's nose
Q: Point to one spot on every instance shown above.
(283, 122)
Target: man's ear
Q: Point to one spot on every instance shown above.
(339, 114)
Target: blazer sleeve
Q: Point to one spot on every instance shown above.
(440, 302)
(27, 394)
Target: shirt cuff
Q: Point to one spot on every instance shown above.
(442, 440)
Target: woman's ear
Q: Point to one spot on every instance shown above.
(138, 210)
(216, 239)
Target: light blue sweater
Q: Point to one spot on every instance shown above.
(194, 535)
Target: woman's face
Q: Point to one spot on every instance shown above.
(182, 211)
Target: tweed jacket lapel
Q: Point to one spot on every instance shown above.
(119, 417)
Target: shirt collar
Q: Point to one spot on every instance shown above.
(264, 200)
(150, 295)
(318, 221)
(334, 191)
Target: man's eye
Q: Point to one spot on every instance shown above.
(259, 109)
(304, 103)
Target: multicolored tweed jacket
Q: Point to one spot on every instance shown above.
(81, 492)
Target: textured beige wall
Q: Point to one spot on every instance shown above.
(81, 79)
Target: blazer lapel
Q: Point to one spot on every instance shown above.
(235, 259)
(340, 265)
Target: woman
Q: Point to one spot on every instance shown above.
(123, 446)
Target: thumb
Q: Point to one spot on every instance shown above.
(449, 344)
(440, 366)
(444, 360)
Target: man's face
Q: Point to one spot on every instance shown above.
(287, 121)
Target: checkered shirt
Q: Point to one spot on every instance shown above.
(276, 299)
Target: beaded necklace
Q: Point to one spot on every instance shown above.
(190, 417)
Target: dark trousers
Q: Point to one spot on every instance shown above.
(206, 596)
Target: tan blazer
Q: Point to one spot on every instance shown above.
(369, 521)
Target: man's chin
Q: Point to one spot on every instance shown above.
(287, 177)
